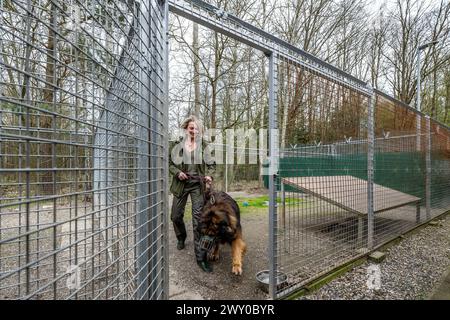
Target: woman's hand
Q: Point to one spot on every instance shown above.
(182, 176)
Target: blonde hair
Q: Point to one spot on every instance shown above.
(194, 119)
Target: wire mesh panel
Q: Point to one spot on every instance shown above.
(400, 165)
(439, 163)
(321, 185)
(82, 149)
(355, 171)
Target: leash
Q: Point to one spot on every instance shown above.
(195, 177)
(202, 181)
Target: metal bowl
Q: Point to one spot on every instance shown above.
(263, 279)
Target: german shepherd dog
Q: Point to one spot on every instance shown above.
(221, 220)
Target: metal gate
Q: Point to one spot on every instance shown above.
(83, 161)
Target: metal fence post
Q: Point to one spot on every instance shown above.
(155, 98)
(370, 167)
(273, 153)
(226, 174)
(165, 295)
(283, 205)
(142, 218)
(428, 168)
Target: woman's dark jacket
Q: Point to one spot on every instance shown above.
(206, 168)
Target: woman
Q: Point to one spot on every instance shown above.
(189, 167)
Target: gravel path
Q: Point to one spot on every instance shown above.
(410, 271)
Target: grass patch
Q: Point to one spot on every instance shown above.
(263, 201)
(251, 205)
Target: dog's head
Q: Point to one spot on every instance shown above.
(218, 219)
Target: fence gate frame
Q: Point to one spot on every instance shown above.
(274, 48)
(277, 50)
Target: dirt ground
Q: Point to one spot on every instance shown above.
(221, 284)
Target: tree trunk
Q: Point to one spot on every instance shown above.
(447, 97)
(434, 99)
(217, 58)
(48, 98)
(196, 58)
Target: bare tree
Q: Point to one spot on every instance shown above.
(196, 58)
(377, 43)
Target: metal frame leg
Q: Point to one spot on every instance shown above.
(360, 230)
(418, 212)
(283, 206)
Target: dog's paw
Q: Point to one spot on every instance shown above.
(237, 269)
